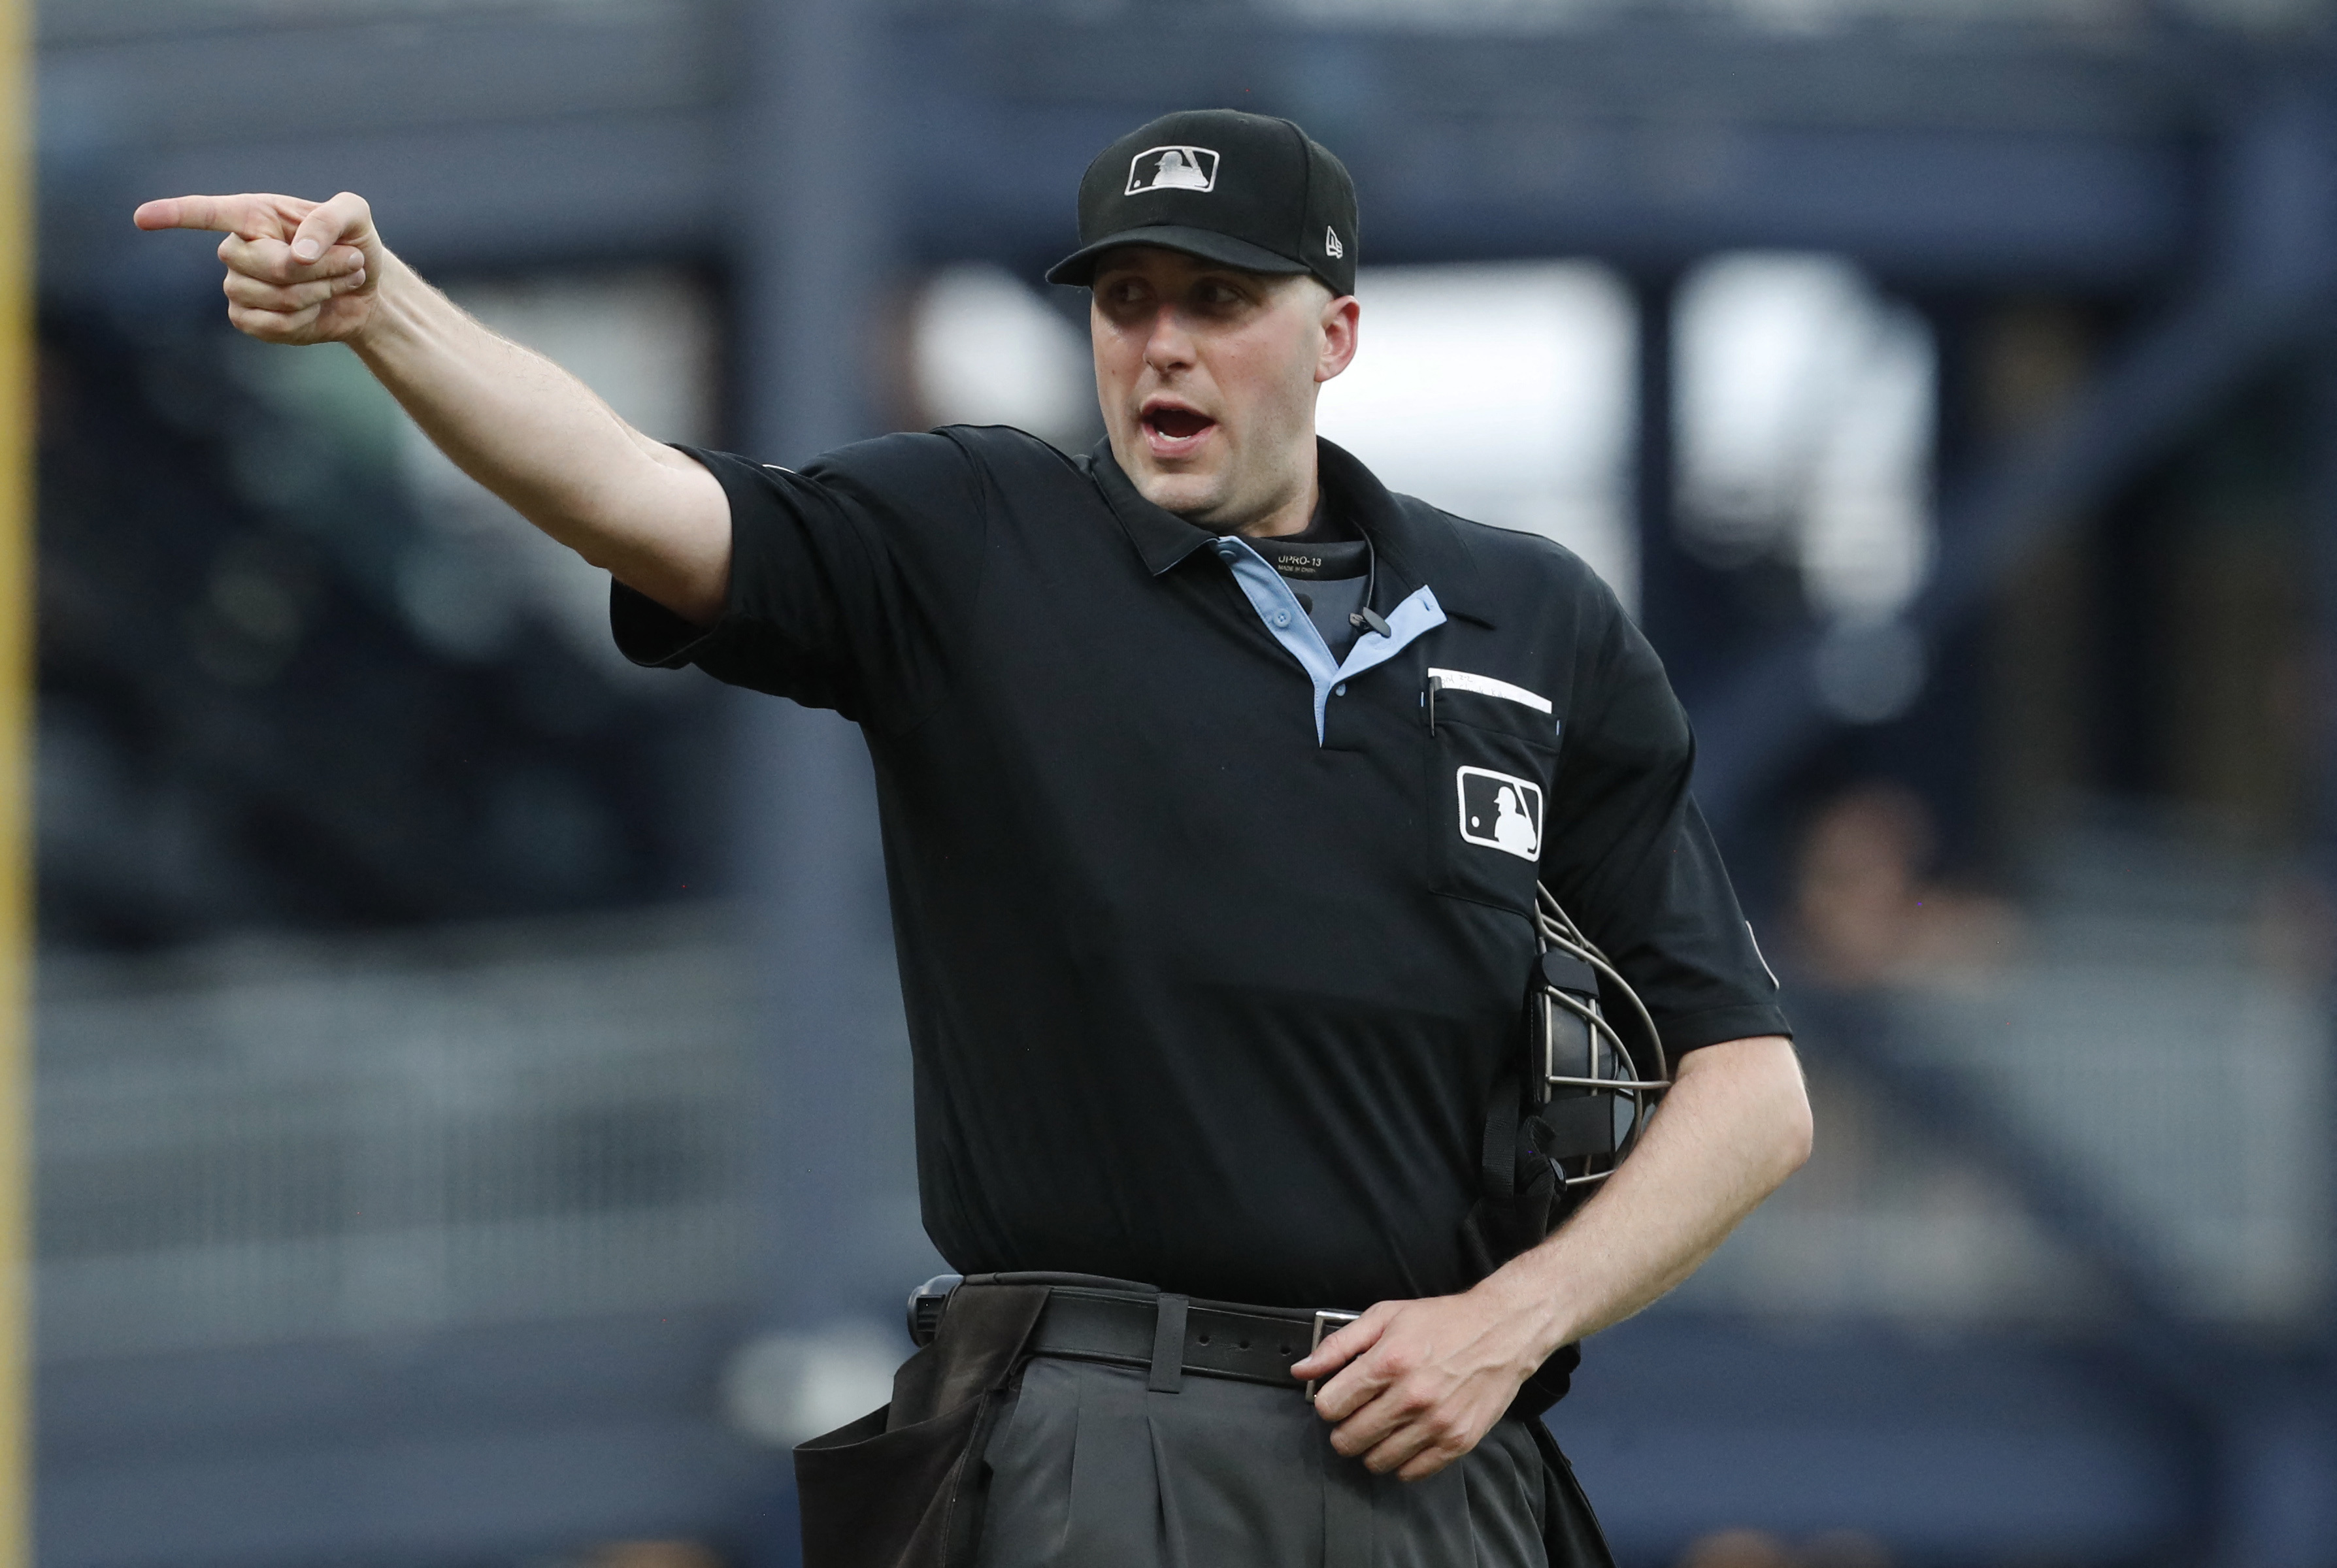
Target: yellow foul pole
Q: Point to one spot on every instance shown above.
(16, 778)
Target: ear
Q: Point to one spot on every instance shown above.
(1338, 323)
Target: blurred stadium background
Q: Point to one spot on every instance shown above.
(472, 1100)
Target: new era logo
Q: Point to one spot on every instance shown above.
(1501, 811)
(1172, 168)
(1331, 246)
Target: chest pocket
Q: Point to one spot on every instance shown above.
(1491, 755)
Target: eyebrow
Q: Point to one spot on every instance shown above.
(1246, 283)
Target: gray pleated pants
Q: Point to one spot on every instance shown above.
(1090, 1469)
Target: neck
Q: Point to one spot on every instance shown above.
(1291, 517)
(1296, 510)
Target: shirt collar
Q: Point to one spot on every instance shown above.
(1161, 538)
(1417, 547)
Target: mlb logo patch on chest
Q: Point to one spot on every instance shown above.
(1500, 811)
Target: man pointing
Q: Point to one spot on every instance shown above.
(1198, 1071)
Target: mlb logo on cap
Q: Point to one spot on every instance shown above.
(1238, 189)
(1172, 168)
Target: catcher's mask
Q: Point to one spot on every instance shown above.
(1589, 1089)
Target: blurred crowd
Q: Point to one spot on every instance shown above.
(1868, 908)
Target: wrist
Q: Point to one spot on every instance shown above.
(391, 317)
(1538, 1306)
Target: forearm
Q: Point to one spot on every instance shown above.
(543, 441)
(1735, 1124)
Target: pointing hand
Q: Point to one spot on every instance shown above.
(297, 271)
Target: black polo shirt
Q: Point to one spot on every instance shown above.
(1195, 996)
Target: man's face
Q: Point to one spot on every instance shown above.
(1207, 376)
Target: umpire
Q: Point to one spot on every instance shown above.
(1217, 782)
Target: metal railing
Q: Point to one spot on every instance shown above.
(296, 1140)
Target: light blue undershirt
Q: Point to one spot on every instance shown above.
(1277, 604)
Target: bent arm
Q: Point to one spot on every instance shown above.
(306, 272)
(1418, 1384)
(1734, 1125)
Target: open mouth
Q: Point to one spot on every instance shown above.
(1173, 430)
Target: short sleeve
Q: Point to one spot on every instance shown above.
(1634, 864)
(850, 580)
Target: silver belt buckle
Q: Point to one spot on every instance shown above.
(1324, 1321)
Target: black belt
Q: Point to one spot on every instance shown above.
(1172, 1335)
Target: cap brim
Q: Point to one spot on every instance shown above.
(1079, 266)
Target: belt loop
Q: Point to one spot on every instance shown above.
(1169, 1346)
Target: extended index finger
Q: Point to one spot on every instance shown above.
(253, 216)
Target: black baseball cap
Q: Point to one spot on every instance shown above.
(1239, 188)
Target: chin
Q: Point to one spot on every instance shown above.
(1186, 494)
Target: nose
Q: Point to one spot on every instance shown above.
(1168, 346)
